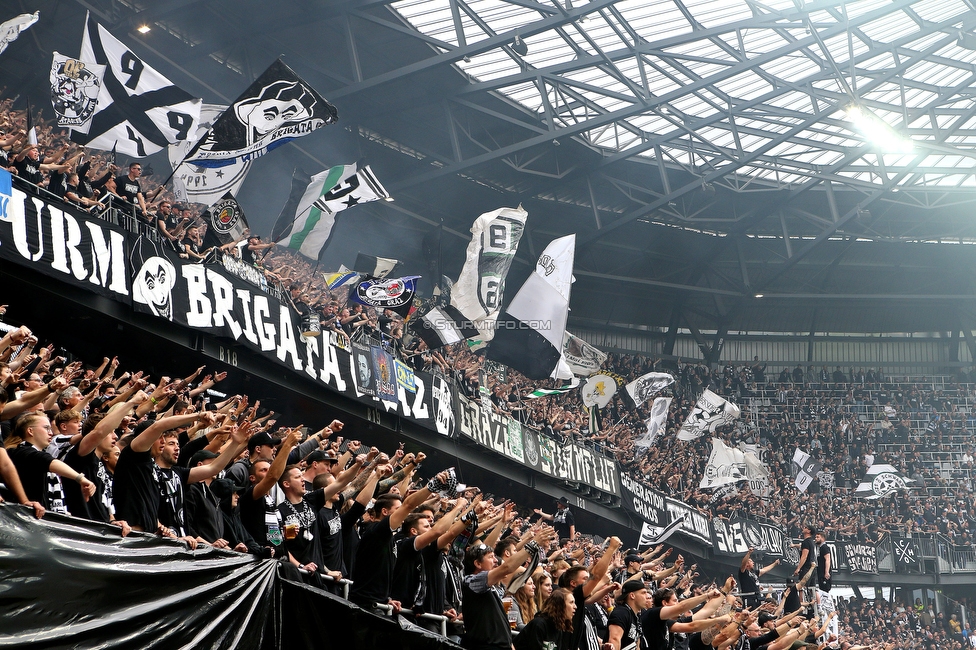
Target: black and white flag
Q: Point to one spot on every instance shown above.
(74, 91)
(11, 29)
(277, 108)
(529, 336)
(651, 535)
(647, 386)
(204, 184)
(377, 267)
(725, 465)
(582, 358)
(138, 111)
(442, 326)
(709, 413)
(806, 467)
(906, 551)
(655, 424)
(480, 288)
(880, 481)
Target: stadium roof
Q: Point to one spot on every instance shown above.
(821, 155)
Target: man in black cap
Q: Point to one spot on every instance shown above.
(563, 521)
(316, 463)
(261, 445)
(624, 625)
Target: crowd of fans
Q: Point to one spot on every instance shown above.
(153, 454)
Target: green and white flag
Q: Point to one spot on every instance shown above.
(546, 392)
(329, 192)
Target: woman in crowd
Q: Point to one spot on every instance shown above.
(552, 629)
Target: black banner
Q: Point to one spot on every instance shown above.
(856, 558)
(642, 501)
(695, 525)
(738, 536)
(50, 237)
(906, 551)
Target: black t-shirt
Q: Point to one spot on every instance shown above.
(128, 189)
(99, 506)
(749, 585)
(811, 546)
(172, 482)
(822, 551)
(657, 630)
(39, 484)
(261, 518)
(29, 170)
(57, 183)
(329, 534)
(624, 617)
(350, 537)
(303, 546)
(135, 490)
(793, 600)
(373, 573)
(410, 573)
(584, 634)
(485, 621)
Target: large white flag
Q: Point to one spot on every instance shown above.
(709, 413)
(529, 336)
(139, 111)
(757, 474)
(651, 535)
(655, 424)
(11, 29)
(480, 288)
(329, 192)
(205, 184)
(724, 466)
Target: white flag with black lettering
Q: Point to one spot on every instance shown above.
(139, 111)
(709, 413)
(479, 290)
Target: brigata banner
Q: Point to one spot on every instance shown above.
(48, 236)
(208, 298)
(565, 461)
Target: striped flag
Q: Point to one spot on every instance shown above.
(329, 192)
(546, 392)
(880, 481)
(341, 278)
(442, 326)
(651, 535)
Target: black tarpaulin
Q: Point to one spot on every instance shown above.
(71, 583)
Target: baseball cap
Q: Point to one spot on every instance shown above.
(631, 586)
(319, 455)
(263, 438)
(633, 557)
(200, 456)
